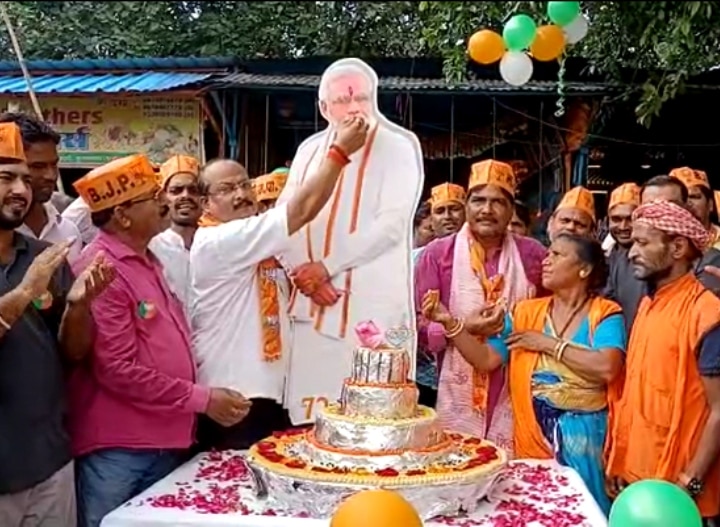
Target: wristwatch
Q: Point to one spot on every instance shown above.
(694, 487)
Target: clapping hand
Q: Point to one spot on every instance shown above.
(37, 278)
(92, 281)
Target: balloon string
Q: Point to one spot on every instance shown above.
(560, 104)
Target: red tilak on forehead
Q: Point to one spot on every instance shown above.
(350, 91)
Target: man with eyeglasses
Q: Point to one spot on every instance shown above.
(237, 313)
(179, 181)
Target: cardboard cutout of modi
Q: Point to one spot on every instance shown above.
(361, 241)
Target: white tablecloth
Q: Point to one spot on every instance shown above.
(214, 490)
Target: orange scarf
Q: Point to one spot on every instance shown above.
(493, 289)
(269, 302)
(530, 315)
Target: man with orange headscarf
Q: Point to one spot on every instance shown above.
(268, 188)
(133, 412)
(447, 216)
(701, 199)
(575, 214)
(622, 286)
(45, 326)
(179, 181)
(447, 202)
(447, 211)
(667, 422)
(477, 272)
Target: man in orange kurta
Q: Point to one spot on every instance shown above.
(667, 422)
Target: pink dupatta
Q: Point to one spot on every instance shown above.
(455, 388)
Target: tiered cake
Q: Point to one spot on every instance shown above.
(376, 436)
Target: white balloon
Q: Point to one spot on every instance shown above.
(576, 30)
(516, 67)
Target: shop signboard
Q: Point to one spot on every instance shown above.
(96, 130)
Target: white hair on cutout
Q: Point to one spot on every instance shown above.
(336, 72)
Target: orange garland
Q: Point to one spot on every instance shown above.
(269, 301)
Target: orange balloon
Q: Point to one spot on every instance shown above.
(549, 43)
(486, 47)
(376, 508)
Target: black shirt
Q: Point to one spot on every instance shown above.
(628, 291)
(34, 443)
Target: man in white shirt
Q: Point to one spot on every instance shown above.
(78, 214)
(179, 180)
(43, 221)
(60, 201)
(353, 262)
(235, 312)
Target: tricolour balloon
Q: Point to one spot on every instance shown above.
(576, 30)
(375, 508)
(486, 47)
(549, 43)
(654, 503)
(519, 32)
(562, 13)
(516, 68)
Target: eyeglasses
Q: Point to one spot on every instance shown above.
(227, 188)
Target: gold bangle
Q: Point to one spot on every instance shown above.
(455, 332)
(561, 350)
(456, 329)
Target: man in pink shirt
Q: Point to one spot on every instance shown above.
(134, 404)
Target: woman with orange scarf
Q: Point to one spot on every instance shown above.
(565, 355)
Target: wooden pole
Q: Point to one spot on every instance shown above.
(21, 60)
(26, 73)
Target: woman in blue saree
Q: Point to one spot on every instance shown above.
(565, 355)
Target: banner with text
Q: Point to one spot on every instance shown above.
(96, 130)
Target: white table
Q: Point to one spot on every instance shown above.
(214, 490)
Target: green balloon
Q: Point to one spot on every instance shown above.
(519, 32)
(562, 13)
(654, 503)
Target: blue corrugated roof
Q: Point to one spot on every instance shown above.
(145, 63)
(86, 83)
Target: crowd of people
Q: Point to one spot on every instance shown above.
(109, 381)
(150, 317)
(605, 359)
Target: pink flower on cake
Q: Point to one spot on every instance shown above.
(369, 334)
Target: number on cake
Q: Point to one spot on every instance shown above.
(310, 402)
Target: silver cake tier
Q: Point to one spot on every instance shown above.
(377, 436)
(391, 402)
(380, 366)
(321, 500)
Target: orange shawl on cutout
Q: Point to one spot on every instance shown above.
(269, 302)
(530, 315)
